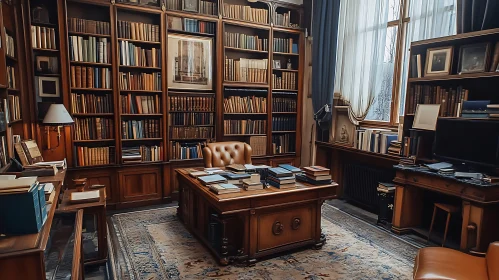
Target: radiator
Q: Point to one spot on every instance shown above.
(360, 183)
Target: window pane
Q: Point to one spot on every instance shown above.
(393, 10)
(380, 109)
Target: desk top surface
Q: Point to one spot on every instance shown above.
(20, 244)
(424, 170)
(243, 194)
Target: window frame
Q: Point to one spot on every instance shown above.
(401, 24)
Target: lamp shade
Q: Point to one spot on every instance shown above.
(57, 115)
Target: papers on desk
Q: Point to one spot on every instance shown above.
(439, 165)
(81, 197)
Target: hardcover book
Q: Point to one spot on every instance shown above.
(224, 188)
(280, 172)
(290, 168)
(212, 179)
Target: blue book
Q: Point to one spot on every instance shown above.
(280, 172)
(475, 106)
(212, 179)
(20, 213)
(290, 168)
(233, 176)
(294, 48)
(475, 115)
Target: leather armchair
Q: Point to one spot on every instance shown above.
(221, 154)
(443, 263)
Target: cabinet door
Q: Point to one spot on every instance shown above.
(140, 184)
(102, 177)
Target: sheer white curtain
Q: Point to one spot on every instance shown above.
(428, 19)
(359, 59)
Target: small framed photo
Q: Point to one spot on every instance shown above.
(438, 61)
(473, 58)
(190, 6)
(426, 116)
(47, 86)
(277, 64)
(47, 64)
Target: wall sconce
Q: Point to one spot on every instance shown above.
(56, 117)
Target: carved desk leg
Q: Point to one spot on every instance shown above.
(224, 249)
(321, 240)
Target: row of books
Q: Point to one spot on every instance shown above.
(13, 110)
(141, 154)
(284, 19)
(191, 25)
(179, 132)
(282, 144)
(93, 128)
(91, 103)
(287, 80)
(245, 104)
(11, 77)
(450, 99)
(140, 81)
(140, 104)
(243, 41)
(132, 55)
(89, 50)
(192, 103)
(281, 178)
(285, 45)
(258, 145)
(315, 175)
(88, 156)
(138, 31)
(245, 127)
(139, 129)
(480, 109)
(281, 104)
(246, 13)
(90, 77)
(9, 45)
(88, 26)
(191, 119)
(205, 7)
(374, 139)
(246, 70)
(283, 123)
(43, 37)
(186, 150)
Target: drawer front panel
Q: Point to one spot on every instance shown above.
(285, 227)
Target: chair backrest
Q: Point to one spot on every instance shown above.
(492, 258)
(220, 154)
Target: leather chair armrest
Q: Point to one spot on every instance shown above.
(207, 157)
(247, 153)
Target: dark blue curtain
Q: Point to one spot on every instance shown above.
(325, 33)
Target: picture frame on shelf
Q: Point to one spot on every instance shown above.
(190, 62)
(190, 6)
(47, 64)
(426, 116)
(473, 58)
(47, 86)
(175, 23)
(344, 129)
(438, 61)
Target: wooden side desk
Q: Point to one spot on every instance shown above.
(480, 206)
(253, 224)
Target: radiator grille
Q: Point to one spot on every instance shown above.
(360, 183)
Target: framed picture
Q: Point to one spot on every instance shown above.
(190, 62)
(344, 129)
(47, 64)
(47, 86)
(438, 61)
(190, 5)
(473, 58)
(426, 116)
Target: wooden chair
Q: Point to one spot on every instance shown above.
(447, 208)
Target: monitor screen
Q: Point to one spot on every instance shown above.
(468, 141)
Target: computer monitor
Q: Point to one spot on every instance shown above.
(471, 141)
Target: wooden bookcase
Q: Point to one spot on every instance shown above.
(125, 179)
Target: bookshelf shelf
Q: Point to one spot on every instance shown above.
(245, 23)
(13, 89)
(287, 29)
(141, 115)
(92, 89)
(44, 24)
(280, 89)
(188, 139)
(284, 113)
(288, 131)
(244, 135)
(93, 141)
(244, 114)
(45, 50)
(47, 75)
(88, 34)
(244, 84)
(15, 121)
(286, 54)
(245, 50)
(11, 58)
(191, 111)
(199, 16)
(190, 33)
(93, 114)
(142, 139)
(285, 70)
(141, 41)
(140, 67)
(139, 91)
(97, 64)
(194, 125)
(455, 77)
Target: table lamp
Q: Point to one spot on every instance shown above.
(56, 116)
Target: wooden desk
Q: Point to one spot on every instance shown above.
(480, 206)
(248, 225)
(17, 253)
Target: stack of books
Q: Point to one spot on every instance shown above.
(493, 110)
(236, 168)
(386, 187)
(224, 188)
(394, 148)
(281, 178)
(408, 161)
(236, 178)
(252, 184)
(292, 169)
(315, 175)
(476, 109)
(212, 179)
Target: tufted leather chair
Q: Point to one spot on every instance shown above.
(445, 264)
(221, 154)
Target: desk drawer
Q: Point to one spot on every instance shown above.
(285, 227)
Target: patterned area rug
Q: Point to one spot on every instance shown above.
(154, 244)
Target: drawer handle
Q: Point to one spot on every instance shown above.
(277, 228)
(415, 179)
(296, 223)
